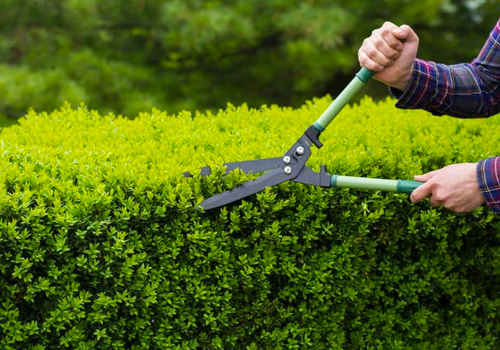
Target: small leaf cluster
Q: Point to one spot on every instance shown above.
(103, 245)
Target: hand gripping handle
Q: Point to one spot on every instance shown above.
(361, 78)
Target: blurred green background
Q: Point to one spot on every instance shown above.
(130, 56)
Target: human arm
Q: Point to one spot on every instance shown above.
(465, 90)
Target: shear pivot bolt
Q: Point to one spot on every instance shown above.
(300, 150)
(287, 159)
(287, 170)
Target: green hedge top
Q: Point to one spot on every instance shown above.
(155, 148)
(102, 246)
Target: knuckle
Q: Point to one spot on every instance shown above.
(366, 43)
(378, 42)
(371, 51)
(362, 56)
(384, 31)
(439, 197)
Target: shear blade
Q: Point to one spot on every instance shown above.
(247, 166)
(255, 166)
(272, 178)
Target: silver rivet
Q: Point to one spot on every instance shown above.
(287, 170)
(300, 150)
(287, 159)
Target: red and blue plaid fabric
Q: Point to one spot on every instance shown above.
(488, 177)
(467, 90)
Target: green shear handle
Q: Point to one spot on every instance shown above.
(361, 78)
(401, 186)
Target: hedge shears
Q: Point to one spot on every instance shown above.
(292, 165)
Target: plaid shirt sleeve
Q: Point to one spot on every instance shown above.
(467, 90)
(488, 177)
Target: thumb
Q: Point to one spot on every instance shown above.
(405, 33)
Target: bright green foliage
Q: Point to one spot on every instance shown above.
(102, 247)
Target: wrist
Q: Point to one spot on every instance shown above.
(404, 80)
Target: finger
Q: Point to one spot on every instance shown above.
(421, 192)
(367, 62)
(382, 45)
(379, 52)
(405, 33)
(440, 198)
(386, 33)
(426, 177)
(435, 203)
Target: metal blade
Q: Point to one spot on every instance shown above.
(247, 166)
(246, 189)
(255, 166)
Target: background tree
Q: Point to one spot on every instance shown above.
(130, 56)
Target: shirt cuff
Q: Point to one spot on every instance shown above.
(421, 88)
(488, 178)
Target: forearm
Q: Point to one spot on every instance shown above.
(463, 90)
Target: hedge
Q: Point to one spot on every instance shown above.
(102, 246)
